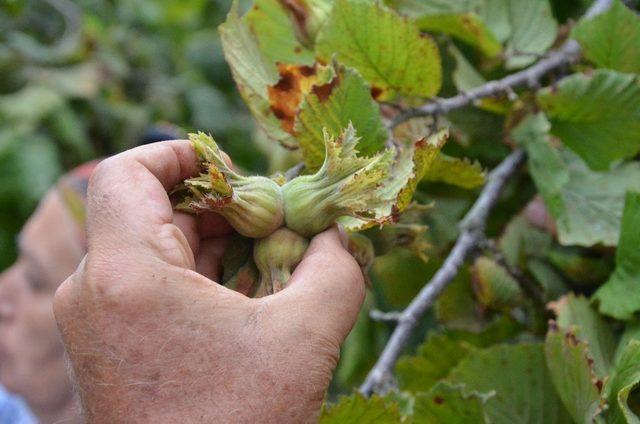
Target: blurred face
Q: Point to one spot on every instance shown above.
(31, 353)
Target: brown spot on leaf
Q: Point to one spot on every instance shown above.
(280, 114)
(395, 213)
(571, 338)
(438, 400)
(324, 91)
(307, 71)
(470, 26)
(376, 92)
(422, 143)
(299, 14)
(286, 82)
(321, 61)
(598, 383)
(285, 96)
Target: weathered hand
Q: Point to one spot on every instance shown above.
(152, 338)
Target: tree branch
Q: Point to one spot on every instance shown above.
(378, 315)
(474, 223)
(568, 53)
(294, 171)
(473, 227)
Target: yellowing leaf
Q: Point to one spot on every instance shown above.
(494, 286)
(412, 166)
(467, 27)
(274, 31)
(458, 172)
(358, 191)
(253, 73)
(385, 48)
(331, 107)
(285, 96)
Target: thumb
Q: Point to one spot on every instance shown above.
(327, 287)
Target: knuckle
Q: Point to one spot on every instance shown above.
(173, 246)
(102, 170)
(105, 278)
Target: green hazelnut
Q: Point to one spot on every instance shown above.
(345, 185)
(276, 256)
(252, 205)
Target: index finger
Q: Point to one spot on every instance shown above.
(127, 201)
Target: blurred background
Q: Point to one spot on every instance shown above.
(89, 78)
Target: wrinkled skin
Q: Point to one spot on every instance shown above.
(31, 353)
(153, 338)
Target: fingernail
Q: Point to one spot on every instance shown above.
(344, 236)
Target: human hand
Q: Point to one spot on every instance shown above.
(152, 338)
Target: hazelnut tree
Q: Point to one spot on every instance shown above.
(375, 101)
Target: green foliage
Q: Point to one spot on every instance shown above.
(531, 28)
(524, 27)
(495, 288)
(446, 403)
(573, 376)
(623, 386)
(612, 40)
(597, 116)
(398, 60)
(586, 205)
(467, 27)
(594, 385)
(357, 409)
(521, 382)
(253, 73)
(435, 358)
(577, 314)
(455, 171)
(618, 296)
(269, 21)
(433, 362)
(348, 101)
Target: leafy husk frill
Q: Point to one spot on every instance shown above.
(357, 191)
